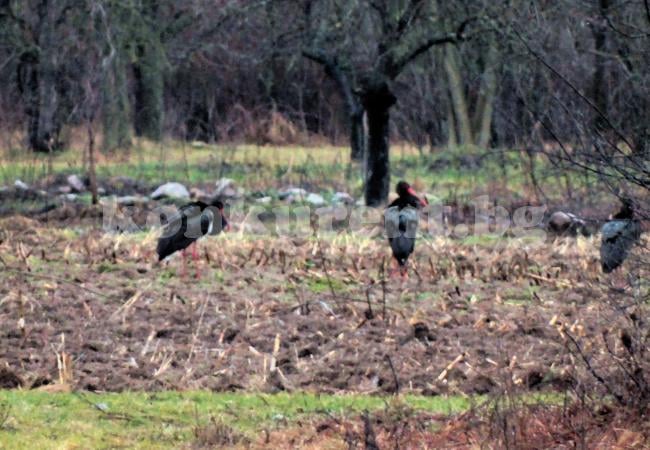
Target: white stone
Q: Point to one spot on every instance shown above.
(75, 183)
(171, 190)
(315, 199)
(19, 184)
(343, 197)
(292, 193)
(225, 187)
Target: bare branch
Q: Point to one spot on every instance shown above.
(393, 69)
(571, 86)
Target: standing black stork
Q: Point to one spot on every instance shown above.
(193, 221)
(401, 221)
(618, 237)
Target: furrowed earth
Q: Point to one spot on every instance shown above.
(86, 310)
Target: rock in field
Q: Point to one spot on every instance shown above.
(292, 194)
(75, 183)
(225, 187)
(315, 199)
(343, 197)
(170, 190)
(20, 184)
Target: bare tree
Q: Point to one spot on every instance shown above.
(365, 46)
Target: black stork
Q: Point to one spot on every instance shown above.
(193, 221)
(618, 236)
(401, 221)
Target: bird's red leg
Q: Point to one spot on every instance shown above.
(394, 268)
(195, 257)
(403, 272)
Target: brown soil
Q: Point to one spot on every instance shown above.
(270, 315)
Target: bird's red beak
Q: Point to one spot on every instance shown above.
(423, 202)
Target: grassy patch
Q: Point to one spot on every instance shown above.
(451, 174)
(168, 419)
(320, 285)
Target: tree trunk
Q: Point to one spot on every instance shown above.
(485, 106)
(377, 103)
(92, 173)
(37, 78)
(357, 135)
(458, 101)
(116, 111)
(149, 85)
(598, 88)
(451, 127)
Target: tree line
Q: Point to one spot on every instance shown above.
(474, 73)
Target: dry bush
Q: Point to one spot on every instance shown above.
(217, 434)
(614, 361)
(261, 127)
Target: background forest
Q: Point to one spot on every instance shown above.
(519, 319)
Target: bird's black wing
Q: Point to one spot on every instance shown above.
(401, 221)
(401, 229)
(181, 230)
(618, 237)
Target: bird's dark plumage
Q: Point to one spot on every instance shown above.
(618, 236)
(401, 221)
(193, 221)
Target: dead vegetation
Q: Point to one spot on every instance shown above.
(504, 422)
(90, 311)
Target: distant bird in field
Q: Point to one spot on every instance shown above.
(618, 237)
(401, 222)
(192, 222)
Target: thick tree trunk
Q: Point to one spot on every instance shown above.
(377, 103)
(44, 135)
(485, 106)
(37, 82)
(452, 141)
(598, 88)
(458, 100)
(357, 135)
(149, 85)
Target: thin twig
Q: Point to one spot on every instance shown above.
(619, 398)
(327, 274)
(369, 313)
(369, 434)
(383, 287)
(392, 369)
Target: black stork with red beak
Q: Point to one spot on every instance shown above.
(193, 221)
(401, 221)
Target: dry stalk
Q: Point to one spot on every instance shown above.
(450, 366)
(382, 277)
(63, 363)
(195, 335)
(166, 362)
(274, 355)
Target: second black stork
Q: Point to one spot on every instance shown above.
(618, 236)
(193, 221)
(401, 222)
